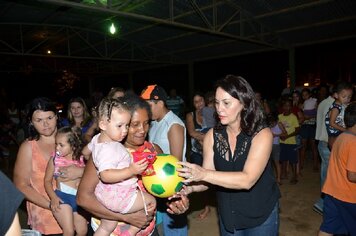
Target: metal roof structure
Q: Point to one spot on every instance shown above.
(155, 33)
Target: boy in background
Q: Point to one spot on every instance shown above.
(288, 141)
(339, 215)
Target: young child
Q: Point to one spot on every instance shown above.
(307, 130)
(288, 142)
(334, 119)
(63, 200)
(277, 129)
(208, 112)
(339, 214)
(118, 188)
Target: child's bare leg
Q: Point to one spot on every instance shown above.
(80, 224)
(331, 141)
(294, 178)
(106, 227)
(278, 171)
(140, 202)
(284, 174)
(64, 216)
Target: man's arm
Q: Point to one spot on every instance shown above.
(176, 141)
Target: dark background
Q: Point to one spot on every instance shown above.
(266, 72)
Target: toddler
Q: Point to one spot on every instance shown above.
(118, 188)
(334, 119)
(63, 200)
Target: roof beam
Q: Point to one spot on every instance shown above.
(147, 54)
(200, 13)
(160, 21)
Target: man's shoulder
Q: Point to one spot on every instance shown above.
(171, 118)
(327, 101)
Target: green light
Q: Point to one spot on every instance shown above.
(112, 29)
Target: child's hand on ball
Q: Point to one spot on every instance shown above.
(138, 167)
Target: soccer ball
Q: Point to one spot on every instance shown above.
(165, 182)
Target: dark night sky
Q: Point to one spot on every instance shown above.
(266, 72)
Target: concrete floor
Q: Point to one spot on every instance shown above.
(296, 215)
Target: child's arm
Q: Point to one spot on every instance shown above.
(117, 175)
(283, 129)
(54, 199)
(86, 152)
(285, 135)
(332, 115)
(91, 131)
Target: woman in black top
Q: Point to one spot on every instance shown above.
(236, 160)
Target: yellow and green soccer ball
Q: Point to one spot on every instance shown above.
(165, 182)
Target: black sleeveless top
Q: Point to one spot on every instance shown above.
(239, 209)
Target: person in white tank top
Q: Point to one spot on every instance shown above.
(168, 131)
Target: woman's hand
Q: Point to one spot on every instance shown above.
(178, 204)
(191, 172)
(186, 190)
(71, 172)
(139, 218)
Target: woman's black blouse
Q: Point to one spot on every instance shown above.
(239, 209)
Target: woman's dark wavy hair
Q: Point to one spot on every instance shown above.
(74, 138)
(38, 104)
(136, 102)
(252, 115)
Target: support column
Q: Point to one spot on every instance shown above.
(292, 74)
(90, 86)
(130, 77)
(190, 80)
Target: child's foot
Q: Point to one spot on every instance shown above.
(204, 213)
(293, 181)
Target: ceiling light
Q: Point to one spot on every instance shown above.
(112, 28)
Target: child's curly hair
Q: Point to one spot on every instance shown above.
(74, 138)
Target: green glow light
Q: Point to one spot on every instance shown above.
(112, 29)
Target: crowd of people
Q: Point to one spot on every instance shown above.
(78, 176)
